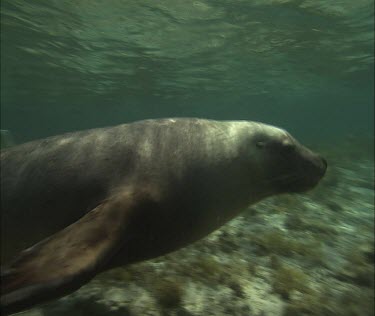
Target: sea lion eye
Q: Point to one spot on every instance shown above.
(260, 144)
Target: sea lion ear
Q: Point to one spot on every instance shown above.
(67, 260)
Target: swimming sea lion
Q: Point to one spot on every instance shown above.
(85, 202)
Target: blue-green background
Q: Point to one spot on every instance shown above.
(304, 65)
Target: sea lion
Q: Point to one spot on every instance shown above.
(88, 201)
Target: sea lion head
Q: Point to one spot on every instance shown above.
(285, 165)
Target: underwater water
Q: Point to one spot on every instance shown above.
(304, 65)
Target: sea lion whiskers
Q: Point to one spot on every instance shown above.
(282, 177)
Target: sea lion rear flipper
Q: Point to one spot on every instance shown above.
(67, 260)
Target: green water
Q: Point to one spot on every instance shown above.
(304, 65)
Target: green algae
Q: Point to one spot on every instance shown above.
(328, 301)
(359, 268)
(289, 279)
(276, 242)
(168, 293)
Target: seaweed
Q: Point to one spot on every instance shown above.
(168, 293)
(276, 242)
(289, 279)
(328, 302)
(209, 268)
(359, 269)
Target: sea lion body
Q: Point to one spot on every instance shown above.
(61, 178)
(193, 174)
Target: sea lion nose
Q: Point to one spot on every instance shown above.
(323, 165)
(324, 162)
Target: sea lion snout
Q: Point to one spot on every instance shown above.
(322, 165)
(291, 166)
(315, 164)
(325, 163)
(309, 168)
(317, 171)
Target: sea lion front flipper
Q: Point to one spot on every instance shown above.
(68, 259)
